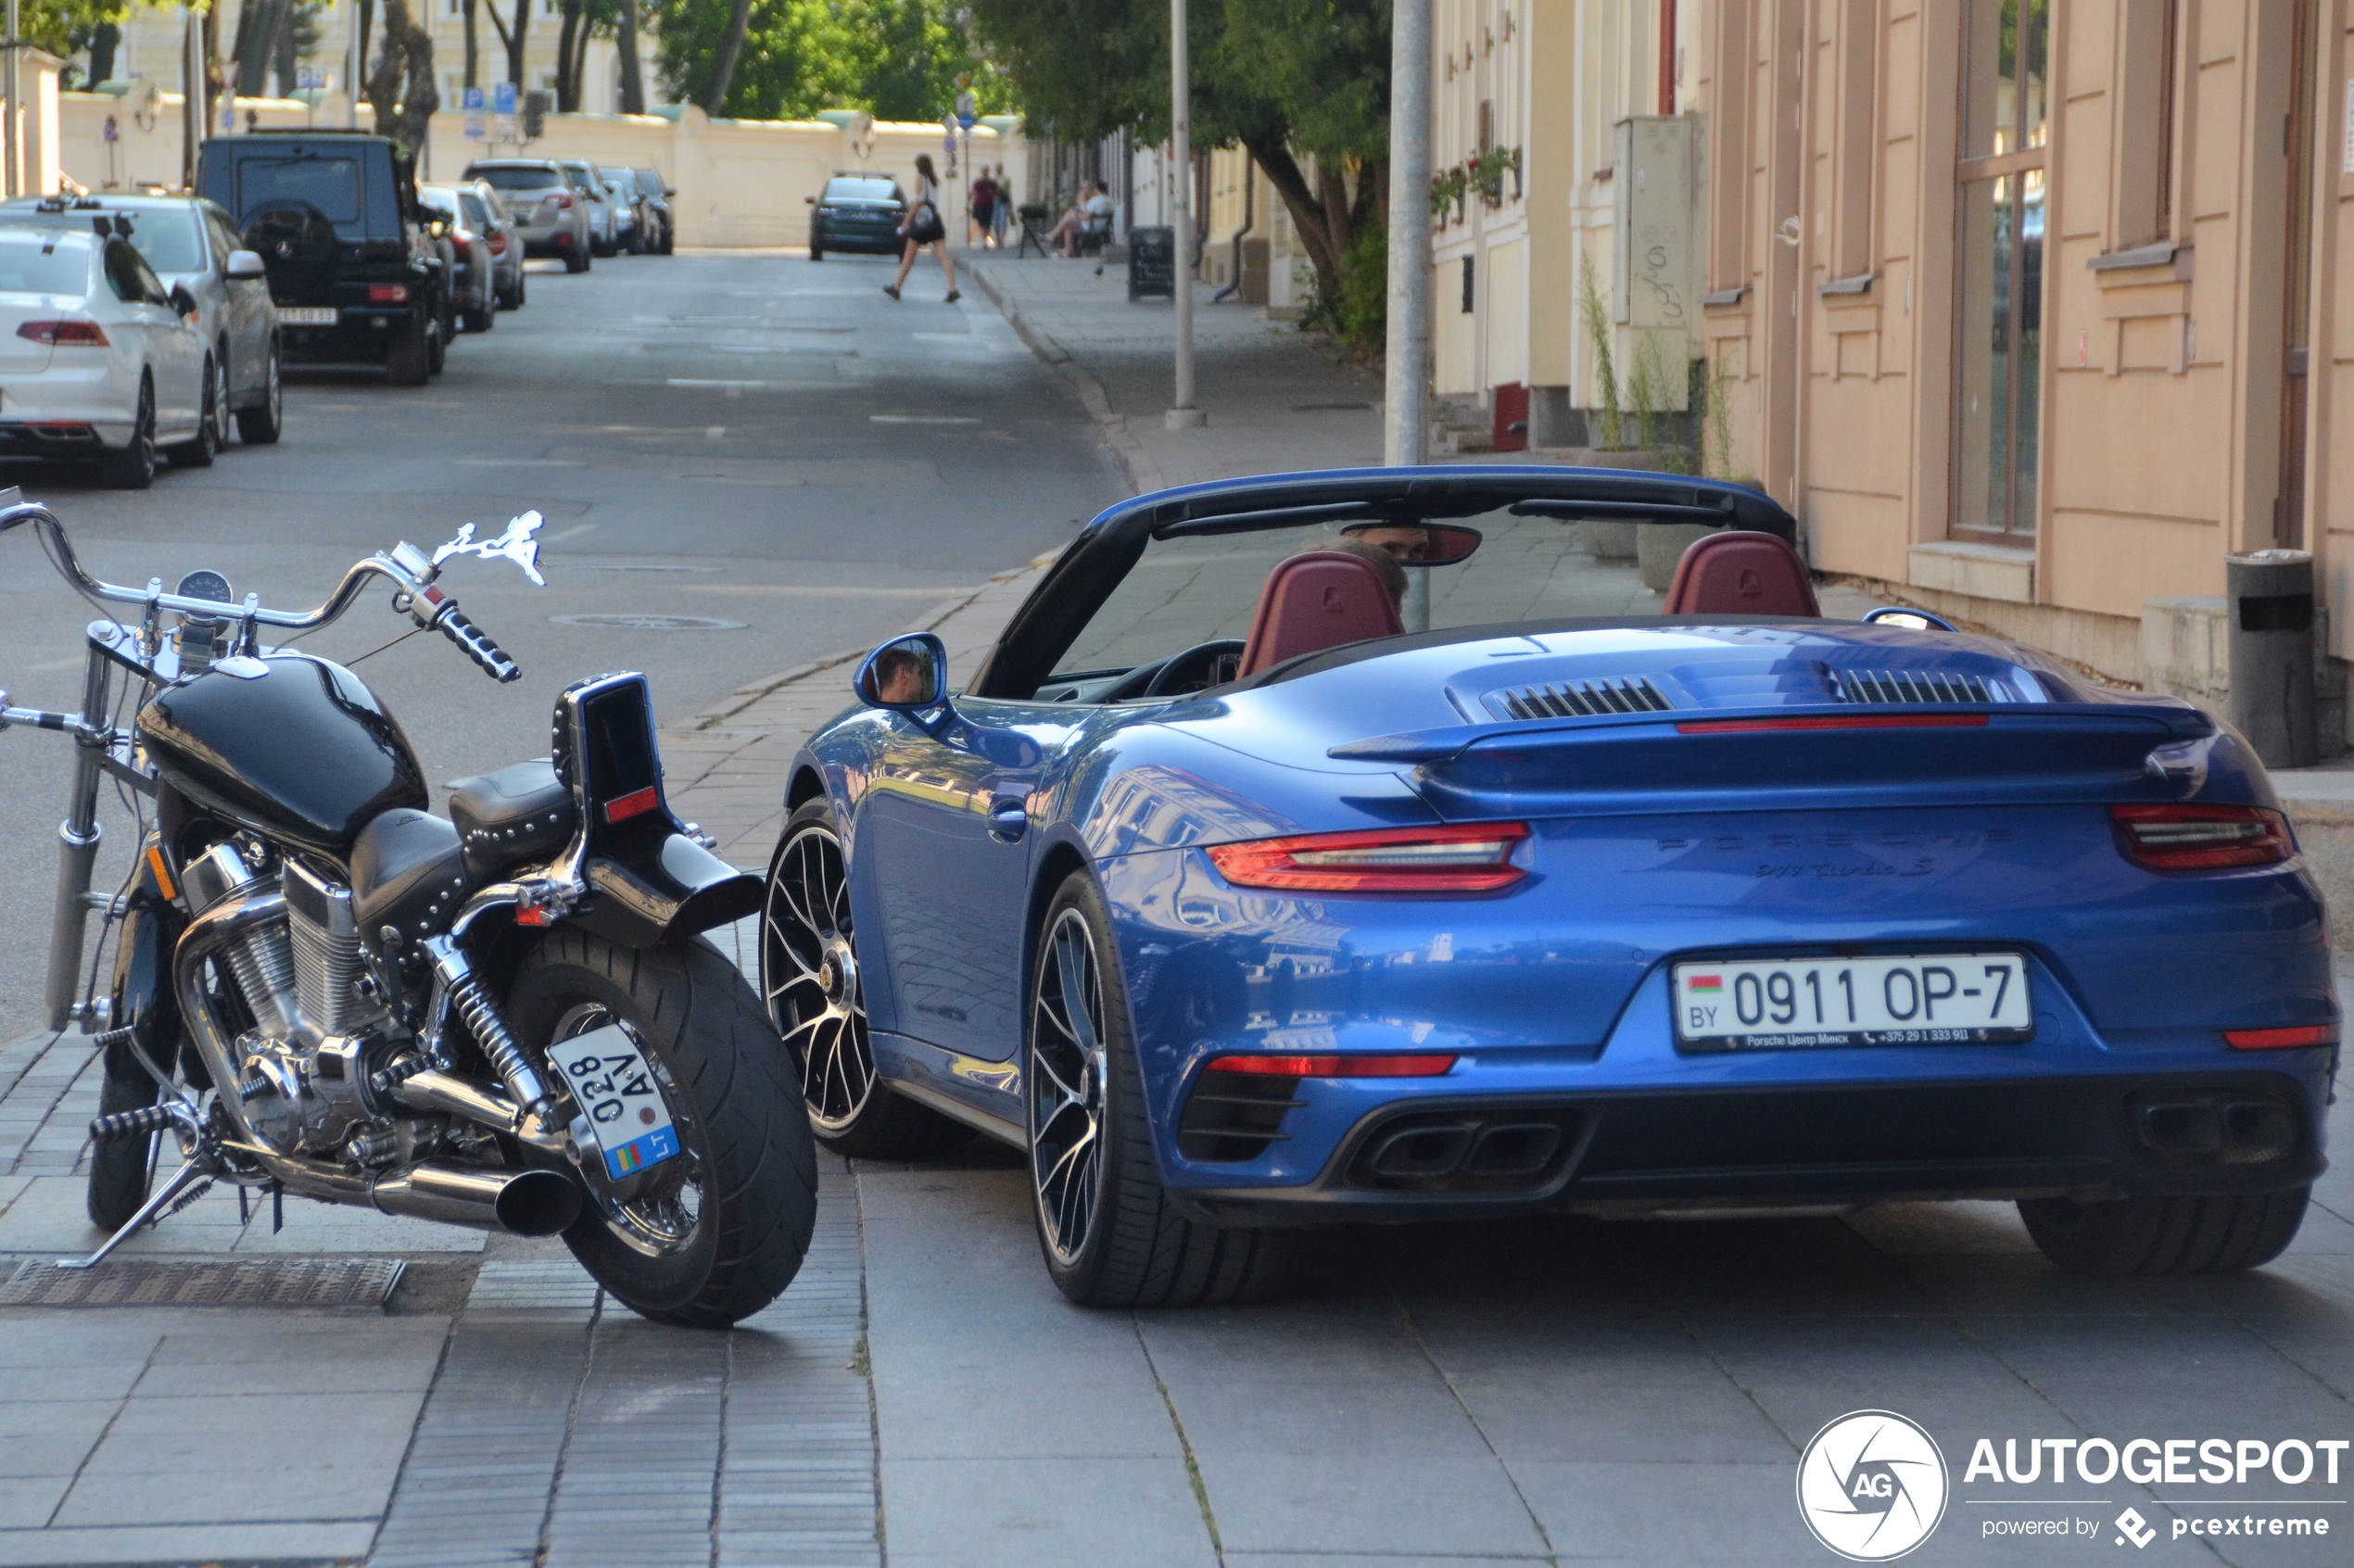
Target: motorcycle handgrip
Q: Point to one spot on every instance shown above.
(478, 647)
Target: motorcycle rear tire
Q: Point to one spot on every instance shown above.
(120, 1170)
(738, 1110)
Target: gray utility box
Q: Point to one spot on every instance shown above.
(2270, 596)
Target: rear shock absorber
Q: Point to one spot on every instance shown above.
(480, 1009)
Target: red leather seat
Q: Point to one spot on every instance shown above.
(1742, 574)
(1315, 601)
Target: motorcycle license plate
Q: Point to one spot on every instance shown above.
(306, 315)
(1803, 1004)
(622, 1119)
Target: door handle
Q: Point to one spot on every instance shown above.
(1008, 820)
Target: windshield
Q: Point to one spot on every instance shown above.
(1202, 588)
(649, 182)
(520, 179)
(49, 263)
(478, 215)
(328, 185)
(861, 190)
(171, 241)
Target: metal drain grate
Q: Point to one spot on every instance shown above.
(306, 1284)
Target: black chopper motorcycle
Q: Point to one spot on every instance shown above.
(506, 1017)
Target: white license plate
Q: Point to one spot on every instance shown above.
(1799, 1003)
(308, 315)
(622, 1118)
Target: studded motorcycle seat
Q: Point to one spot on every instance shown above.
(518, 813)
(406, 872)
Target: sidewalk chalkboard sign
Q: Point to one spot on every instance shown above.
(1151, 263)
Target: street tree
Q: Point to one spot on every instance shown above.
(401, 87)
(789, 59)
(1286, 79)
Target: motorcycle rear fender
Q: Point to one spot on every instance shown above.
(663, 892)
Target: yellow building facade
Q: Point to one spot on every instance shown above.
(2025, 309)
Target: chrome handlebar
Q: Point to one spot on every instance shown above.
(406, 568)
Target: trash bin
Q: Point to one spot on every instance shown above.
(1151, 263)
(2269, 598)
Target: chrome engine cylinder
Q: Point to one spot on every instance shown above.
(260, 957)
(325, 938)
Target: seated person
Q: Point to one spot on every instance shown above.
(902, 674)
(1066, 232)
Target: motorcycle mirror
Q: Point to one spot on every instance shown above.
(516, 545)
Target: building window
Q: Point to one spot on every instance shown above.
(1858, 164)
(2146, 123)
(1467, 285)
(1998, 321)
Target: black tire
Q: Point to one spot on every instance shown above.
(1106, 1227)
(213, 422)
(2206, 1234)
(816, 253)
(483, 319)
(121, 1170)
(669, 239)
(261, 425)
(438, 343)
(576, 259)
(818, 1001)
(406, 361)
(131, 466)
(745, 1155)
(522, 285)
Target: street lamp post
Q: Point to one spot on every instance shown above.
(15, 113)
(1407, 349)
(1181, 416)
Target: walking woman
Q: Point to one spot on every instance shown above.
(923, 227)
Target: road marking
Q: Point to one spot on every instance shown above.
(572, 532)
(520, 463)
(714, 431)
(921, 419)
(820, 590)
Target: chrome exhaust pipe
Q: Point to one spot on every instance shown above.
(524, 1203)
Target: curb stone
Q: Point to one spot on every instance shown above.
(1141, 472)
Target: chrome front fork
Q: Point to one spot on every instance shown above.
(78, 845)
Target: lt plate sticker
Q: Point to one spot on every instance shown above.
(620, 1108)
(1883, 999)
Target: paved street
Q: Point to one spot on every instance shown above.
(1556, 1391)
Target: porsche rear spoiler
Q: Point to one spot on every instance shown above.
(1712, 759)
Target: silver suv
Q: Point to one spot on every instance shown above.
(550, 212)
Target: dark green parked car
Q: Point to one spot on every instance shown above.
(858, 212)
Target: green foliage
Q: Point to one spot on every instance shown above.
(1713, 396)
(1610, 422)
(1646, 389)
(1358, 312)
(63, 26)
(899, 60)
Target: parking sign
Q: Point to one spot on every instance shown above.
(470, 99)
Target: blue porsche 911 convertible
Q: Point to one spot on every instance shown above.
(1344, 847)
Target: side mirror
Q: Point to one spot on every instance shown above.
(182, 302)
(1418, 544)
(905, 675)
(247, 264)
(673, 190)
(808, 201)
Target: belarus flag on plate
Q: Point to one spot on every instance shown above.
(1706, 982)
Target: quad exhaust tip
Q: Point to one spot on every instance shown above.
(1469, 1152)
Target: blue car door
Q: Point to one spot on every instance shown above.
(943, 843)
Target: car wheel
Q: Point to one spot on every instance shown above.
(576, 259)
(483, 319)
(259, 426)
(133, 466)
(213, 426)
(816, 253)
(669, 241)
(437, 347)
(2206, 1234)
(520, 282)
(1109, 1234)
(407, 363)
(817, 1000)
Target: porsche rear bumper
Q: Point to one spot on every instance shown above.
(1698, 1151)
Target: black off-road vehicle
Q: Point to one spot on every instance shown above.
(355, 266)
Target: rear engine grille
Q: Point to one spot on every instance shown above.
(1916, 687)
(1584, 699)
(1233, 1116)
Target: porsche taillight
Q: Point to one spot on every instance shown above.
(1468, 857)
(2201, 838)
(1435, 1065)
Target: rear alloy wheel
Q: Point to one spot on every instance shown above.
(260, 425)
(213, 430)
(817, 1000)
(2206, 1234)
(1109, 1234)
(131, 466)
(576, 259)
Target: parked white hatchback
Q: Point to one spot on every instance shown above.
(98, 360)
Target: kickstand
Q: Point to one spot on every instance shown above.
(188, 1175)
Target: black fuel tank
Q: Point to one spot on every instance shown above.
(305, 753)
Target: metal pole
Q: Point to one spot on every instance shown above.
(1407, 349)
(1183, 415)
(16, 114)
(191, 100)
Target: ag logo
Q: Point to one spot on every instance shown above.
(1871, 1486)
